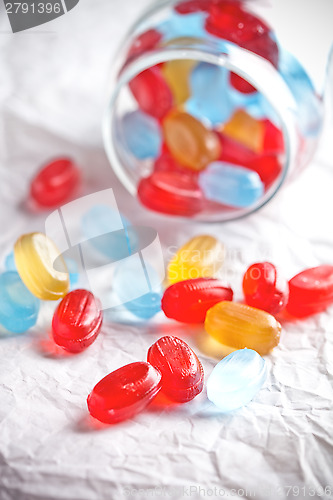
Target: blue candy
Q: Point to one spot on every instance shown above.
(231, 185)
(142, 135)
(10, 262)
(18, 307)
(211, 97)
(236, 379)
(178, 25)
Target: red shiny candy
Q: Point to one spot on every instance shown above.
(124, 393)
(188, 301)
(182, 372)
(77, 320)
(166, 163)
(143, 43)
(268, 167)
(264, 288)
(241, 84)
(152, 93)
(273, 138)
(171, 193)
(55, 183)
(311, 291)
(190, 6)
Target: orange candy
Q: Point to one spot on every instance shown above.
(245, 129)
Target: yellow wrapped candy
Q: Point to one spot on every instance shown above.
(237, 326)
(200, 257)
(35, 255)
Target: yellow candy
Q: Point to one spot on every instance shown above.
(200, 257)
(245, 129)
(237, 326)
(189, 141)
(35, 255)
(177, 75)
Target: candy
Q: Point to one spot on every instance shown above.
(264, 288)
(124, 393)
(188, 301)
(177, 76)
(77, 321)
(311, 291)
(268, 167)
(179, 26)
(166, 163)
(18, 307)
(182, 372)
(55, 183)
(142, 135)
(246, 130)
(189, 141)
(189, 6)
(231, 185)
(201, 257)
(273, 138)
(237, 326)
(152, 93)
(236, 379)
(35, 255)
(10, 262)
(143, 43)
(171, 193)
(210, 98)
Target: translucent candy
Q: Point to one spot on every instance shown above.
(190, 6)
(152, 93)
(55, 183)
(201, 257)
(172, 193)
(144, 42)
(77, 321)
(246, 130)
(188, 301)
(264, 288)
(142, 135)
(10, 262)
(210, 98)
(177, 75)
(35, 255)
(189, 141)
(142, 296)
(177, 26)
(182, 372)
(237, 326)
(236, 379)
(124, 393)
(231, 185)
(18, 307)
(311, 291)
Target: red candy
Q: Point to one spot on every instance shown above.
(268, 167)
(188, 301)
(124, 393)
(152, 93)
(55, 183)
(143, 43)
(77, 321)
(182, 372)
(171, 193)
(190, 6)
(264, 288)
(273, 138)
(311, 291)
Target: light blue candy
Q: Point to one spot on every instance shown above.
(18, 307)
(210, 95)
(10, 262)
(231, 185)
(178, 25)
(138, 287)
(142, 135)
(236, 379)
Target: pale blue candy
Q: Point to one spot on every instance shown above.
(142, 135)
(109, 232)
(231, 185)
(10, 262)
(210, 94)
(236, 379)
(18, 307)
(138, 287)
(178, 25)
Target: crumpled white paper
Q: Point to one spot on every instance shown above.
(280, 445)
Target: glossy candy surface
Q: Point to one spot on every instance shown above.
(311, 291)
(188, 301)
(201, 257)
(55, 183)
(18, 307)
(142, 135)
(237, 326)
(152, 93)
(189, 141)
(177, 75)
(231, 185)
(264, 288)
(182, 372)
(144, 42)
(124, 393)
(77, 321)
(171, 193)
(35, 255)
(246, 130)
(236, 379)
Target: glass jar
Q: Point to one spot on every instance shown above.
(208, 114)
